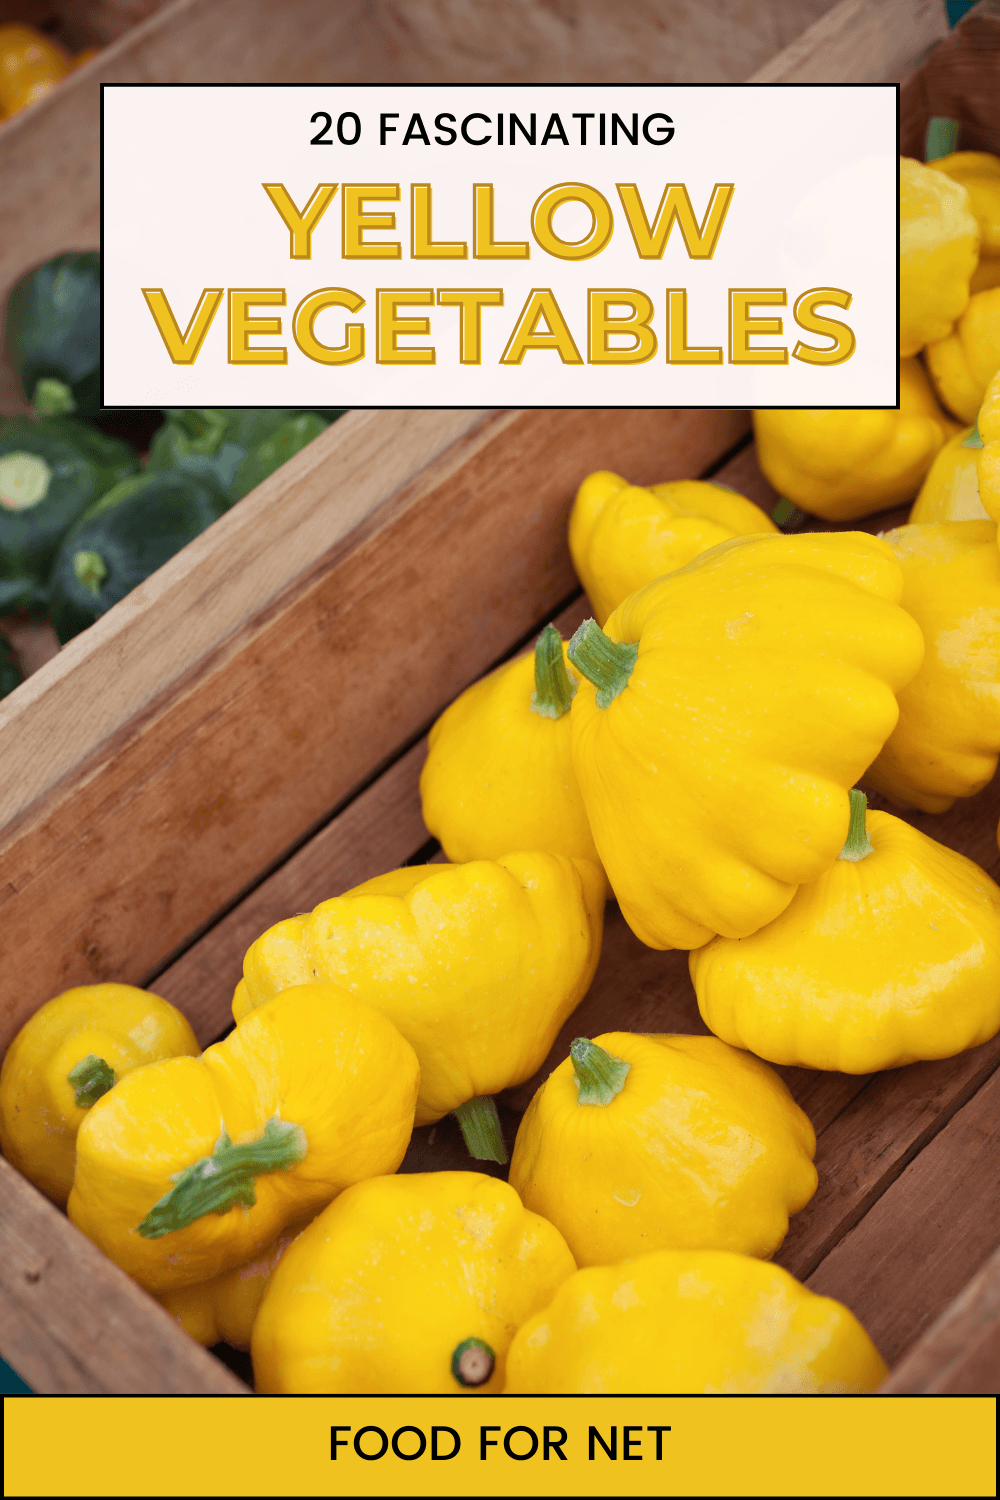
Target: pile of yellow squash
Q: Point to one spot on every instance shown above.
(692, 753)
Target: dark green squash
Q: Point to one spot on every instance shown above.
(51, 472)
(53, 334)
(133, 530)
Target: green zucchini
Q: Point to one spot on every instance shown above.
(53, 334)
(133, 530)
(222, 446)
(51, 472)
(10, 670)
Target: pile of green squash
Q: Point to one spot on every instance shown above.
(82, 519)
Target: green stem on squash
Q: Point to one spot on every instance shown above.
(858, 845)
(787, 516)
(600, 1076)
(473, 1362)
(216, 1183)
(606, 663)
(480, 1126)
(90, 1079)
(554, 688)
(941, 138)
(973, 440)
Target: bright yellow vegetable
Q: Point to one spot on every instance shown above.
(979, 174)
(477, 964)
(410, 1284)
(622, 536)
(938, 253)
(639, 1143)
(499, 771)
(730, 708)
(963, 364)
(951, 490)
(64, 1058)
(890, 958)
(221, 1311)
(988, 457)
(845, 464)
(190, 1167)
(31, 64)
(947, 741)
(702, 1322)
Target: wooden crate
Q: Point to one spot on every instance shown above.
(242, 737)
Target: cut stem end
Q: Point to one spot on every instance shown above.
(606, 663)
(600, 1076)
(90, 1080)
(554, 688)
(858, 845)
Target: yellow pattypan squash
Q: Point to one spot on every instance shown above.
(499, 770)
(692, 1322)
(951, 490)
(947, 741)
(639, 1143)
(891, 957)
(938, 253)
(622, 536)
(70, 1053)
(478, 965)
(979, 174)
(410, 1284)
(729, 709)
(190, 1167)
(842, 465)
(221, 1311)
(988, 456)
(962, 364)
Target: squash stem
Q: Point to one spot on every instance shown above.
(554, 688)
(858, 845)
(480, 1126)
(90, 1079)
(216, 1183)
(473, 1362)
(973, 440)
(941, 138)
(600, 1076)
(606, 663)
(787, 516)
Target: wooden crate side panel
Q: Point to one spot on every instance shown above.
(858, 42)
(72, 1323)
(107, 676)
(961, 81)
(193, 799)
(923, 1240)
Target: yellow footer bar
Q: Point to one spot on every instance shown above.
(518, 1445)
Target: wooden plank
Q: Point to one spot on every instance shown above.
(857, 42)
(380, 830)
(105, 677)
(960, 1353)
(180, 810)
(587, 41)
(923, 1239)
(959, 80)
(72, 1323)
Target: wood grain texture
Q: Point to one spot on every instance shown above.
(214, 782)
(74, 1324)
(587, 41)
(103, 678)
(960, 80)
(860, 42)
(926, 1235)
(960, 1353)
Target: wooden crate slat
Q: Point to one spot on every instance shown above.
(960, 81)
(180, 811)
(960, 1353)
(380, 830)
(858, 42)
(923, 1239)
(104, 678)
(73, 1323)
